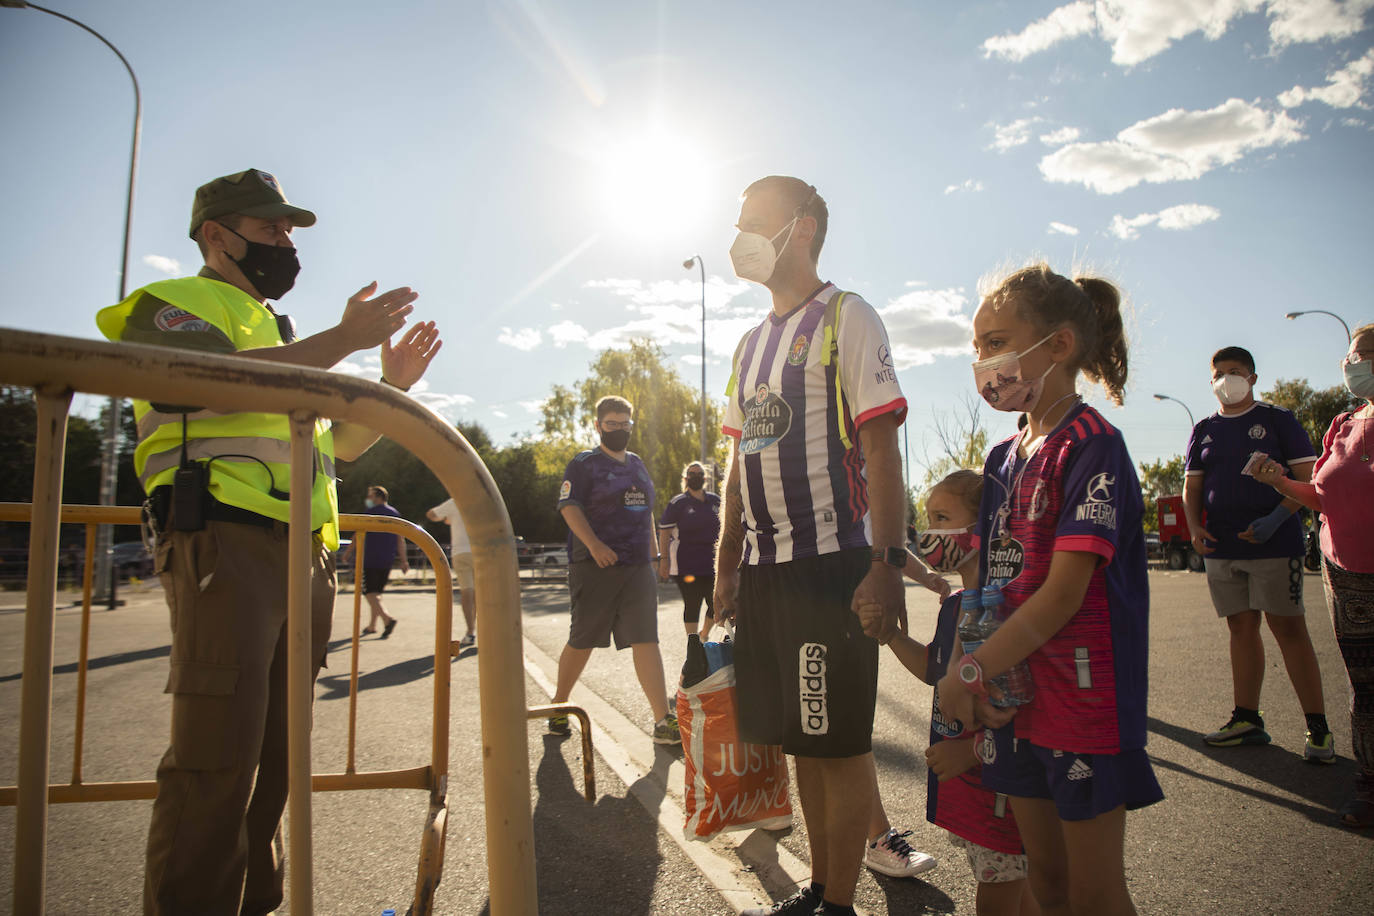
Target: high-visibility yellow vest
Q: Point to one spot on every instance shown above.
(231, 443)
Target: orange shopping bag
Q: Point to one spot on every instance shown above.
(730, 785)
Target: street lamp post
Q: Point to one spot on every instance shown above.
(1293, 315)
(1165, 397)
(109, 461)
(687, 265)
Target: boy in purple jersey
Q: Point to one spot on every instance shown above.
(607, 499)
(687, 534)
(1060, 532)
(1254, 545)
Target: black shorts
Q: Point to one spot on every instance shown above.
(695, 591)
(807, 675)
(374, 579)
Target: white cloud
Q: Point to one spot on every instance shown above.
(1177, 145)
(566, 332)
(1063, 229)
(1065, 22)
(163, 264)
(348, 367)
(1010, 136)
(534, 406)
(1183, 216)
(523, 339)
(969, 184)
(1344, 88)
(927, 323)
(1299, 21)
(1139, 29)
(1060, 137)
(499, 414)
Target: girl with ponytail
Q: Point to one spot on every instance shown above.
(1060, 534)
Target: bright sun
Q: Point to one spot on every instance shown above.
(652, 177)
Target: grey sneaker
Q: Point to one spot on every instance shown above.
(1321, 751)
(467, 641)
(1237, 732)
(666, 730)
(802, 903)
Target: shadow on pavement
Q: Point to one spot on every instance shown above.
(336, 685)
(593, 859)
(1323, 785)
(104, 661)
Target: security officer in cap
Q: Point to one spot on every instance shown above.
(219, 487)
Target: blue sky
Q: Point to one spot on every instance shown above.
(539, 170)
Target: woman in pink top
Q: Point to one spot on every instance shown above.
(1342, 490)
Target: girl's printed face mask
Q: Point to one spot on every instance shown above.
(1002, 384)
(946, 549)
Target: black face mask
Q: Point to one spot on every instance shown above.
(696, 481)
(615, 439)
(271, 269)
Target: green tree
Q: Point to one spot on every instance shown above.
(667, 415)
(1159, 478)
(530, 496)
(1315, 408)
(961, 441)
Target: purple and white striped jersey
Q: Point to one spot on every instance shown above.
(804, 493)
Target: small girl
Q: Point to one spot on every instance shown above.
(978, 820)
(1060, 532)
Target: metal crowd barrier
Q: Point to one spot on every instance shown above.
(56, 367)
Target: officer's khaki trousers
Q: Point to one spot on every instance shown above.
(215, 836)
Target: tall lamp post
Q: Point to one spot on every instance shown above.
(109, 459)
(1165, 397)
(1294, 315)
(687, 265)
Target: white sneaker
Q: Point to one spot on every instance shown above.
(892, 856)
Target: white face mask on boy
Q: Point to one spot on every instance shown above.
(1230, 389)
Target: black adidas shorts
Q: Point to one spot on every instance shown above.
(806, 675)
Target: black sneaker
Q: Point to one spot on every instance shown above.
(802, 903)
(558, 725)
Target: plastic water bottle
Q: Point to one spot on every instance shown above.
(388, 912)
(970, 633)
(1015, 683)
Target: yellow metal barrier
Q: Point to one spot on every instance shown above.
(55, 367)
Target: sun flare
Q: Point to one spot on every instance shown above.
(651, 178)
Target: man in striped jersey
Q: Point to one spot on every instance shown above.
(814, 431)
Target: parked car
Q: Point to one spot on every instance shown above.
(1176, 540)
(132, 560)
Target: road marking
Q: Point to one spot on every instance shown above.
(630, 753)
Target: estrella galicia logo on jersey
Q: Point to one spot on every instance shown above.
(1006, 558)
(797, 355)
(812, 692)
(172, 318)
(566, 490)
(948, 728)
(635, 498)
(1097, 503)
(1257, 431)
(767, 418)
(886, 373)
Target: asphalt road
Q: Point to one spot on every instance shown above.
(1244, 830)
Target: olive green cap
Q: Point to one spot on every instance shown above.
(251, 193)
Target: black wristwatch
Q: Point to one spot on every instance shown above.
(892, 556)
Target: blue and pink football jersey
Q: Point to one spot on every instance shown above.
(963, 805)
(1078, 492)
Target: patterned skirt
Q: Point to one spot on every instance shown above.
(1350, 598)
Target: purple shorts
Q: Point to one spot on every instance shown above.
(1082, 786)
